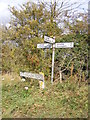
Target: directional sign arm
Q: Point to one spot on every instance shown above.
(64, 45)
(32, 75)
(48, 39)
(44, 45)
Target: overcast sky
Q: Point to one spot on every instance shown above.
(5, 14)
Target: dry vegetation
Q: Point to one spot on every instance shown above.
(66, 100)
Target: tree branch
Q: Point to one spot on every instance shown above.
(69, 64)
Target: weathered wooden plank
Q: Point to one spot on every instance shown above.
(32, 75)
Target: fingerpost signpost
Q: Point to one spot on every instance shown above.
(51, 44)
(39, 77)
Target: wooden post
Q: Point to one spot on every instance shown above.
(42, 83)
(60, 73)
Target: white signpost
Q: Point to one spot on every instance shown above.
(54, 45)
(32, 75)
(48, 39)
(40, 77)
(64, 45)
(44, 45)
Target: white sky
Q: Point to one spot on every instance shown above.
(5, 14)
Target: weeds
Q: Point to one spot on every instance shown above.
(66, 100)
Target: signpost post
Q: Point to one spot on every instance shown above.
(51, 44)
(53, 54)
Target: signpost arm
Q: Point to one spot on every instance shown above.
(52, 64)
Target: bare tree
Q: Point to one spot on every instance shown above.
(59, 8)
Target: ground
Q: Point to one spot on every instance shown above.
(60, 100)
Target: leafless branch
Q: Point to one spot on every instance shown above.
(68, 64)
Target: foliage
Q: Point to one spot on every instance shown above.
(19, 42)
(29, 23)
(27, 28)
(78, 56)
(0, 47)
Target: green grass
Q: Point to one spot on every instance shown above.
(66, 100)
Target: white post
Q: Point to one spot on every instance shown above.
(52, 63)
(60, 72)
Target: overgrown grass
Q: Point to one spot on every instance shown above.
(66, 100)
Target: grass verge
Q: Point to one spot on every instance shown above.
(66, 100)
